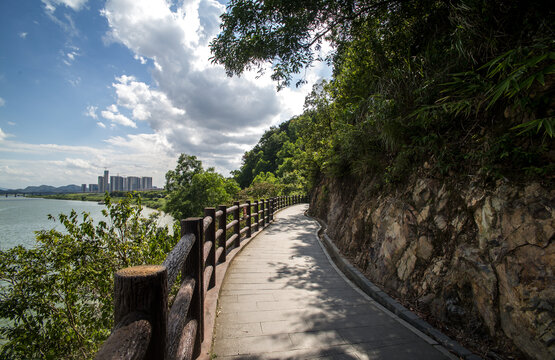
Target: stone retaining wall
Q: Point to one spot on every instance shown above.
(478, 260)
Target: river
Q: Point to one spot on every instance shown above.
(20, 217)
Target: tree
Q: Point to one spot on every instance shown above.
(286, 34)
(57, 297)
(264, 185)
(178, 184)
(190, 188)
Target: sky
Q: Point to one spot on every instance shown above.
(125, 85)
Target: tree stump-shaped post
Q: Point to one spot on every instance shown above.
(143, 289)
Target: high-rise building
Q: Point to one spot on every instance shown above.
(83, 187)
(121, 183)
(116, 183)
(146, 183)
(133, 183)
(106, 185)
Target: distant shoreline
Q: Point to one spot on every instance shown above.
(151, 199)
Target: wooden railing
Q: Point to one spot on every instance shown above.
(146, 328)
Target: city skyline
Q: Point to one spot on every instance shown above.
(118, 183)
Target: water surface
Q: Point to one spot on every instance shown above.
(20, 217)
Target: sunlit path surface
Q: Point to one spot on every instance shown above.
(283, 299)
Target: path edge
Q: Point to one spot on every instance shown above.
(213, 295)
(372, 290)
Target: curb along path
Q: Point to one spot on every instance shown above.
(283, 299)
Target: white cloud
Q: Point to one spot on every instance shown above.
(91, 112)
(65, 21)
(74, 163)
(3, 135)
(75, 5)
(111, 113)
(101, 124)
(2, 102)
(194, 105)
(75, 81)
(54, 164)
(143, 101)
(11, 123)
(23, 35)
(69, 56)
(140, 58)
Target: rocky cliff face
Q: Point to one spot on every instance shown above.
(479, 261)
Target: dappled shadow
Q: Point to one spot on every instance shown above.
(286, 301)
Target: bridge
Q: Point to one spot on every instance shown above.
(270, 291)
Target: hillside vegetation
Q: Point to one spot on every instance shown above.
(461, 87)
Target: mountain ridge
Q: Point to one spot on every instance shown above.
(43, 190)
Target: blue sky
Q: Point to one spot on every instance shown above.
(127, 85)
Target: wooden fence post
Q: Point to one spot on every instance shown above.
(222, 225)
(249, 233)
(263, 208)
(194, 267)
(271, 209)
(237, 227)
(256, 217)
(210, 236)
(267, 221)
(144, 289)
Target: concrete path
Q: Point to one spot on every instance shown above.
(283, 299)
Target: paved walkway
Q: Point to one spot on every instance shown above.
(283, 299)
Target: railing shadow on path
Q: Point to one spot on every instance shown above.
(284, 299)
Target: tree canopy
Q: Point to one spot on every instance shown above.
(464, 85)
(286, 34)
(190, 188)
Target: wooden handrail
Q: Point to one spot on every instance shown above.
(176, 258)
(231, 224)
(135, 331)
(145, 327)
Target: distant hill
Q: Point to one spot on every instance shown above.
(43, 190)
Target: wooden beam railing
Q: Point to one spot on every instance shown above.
(146, 327)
